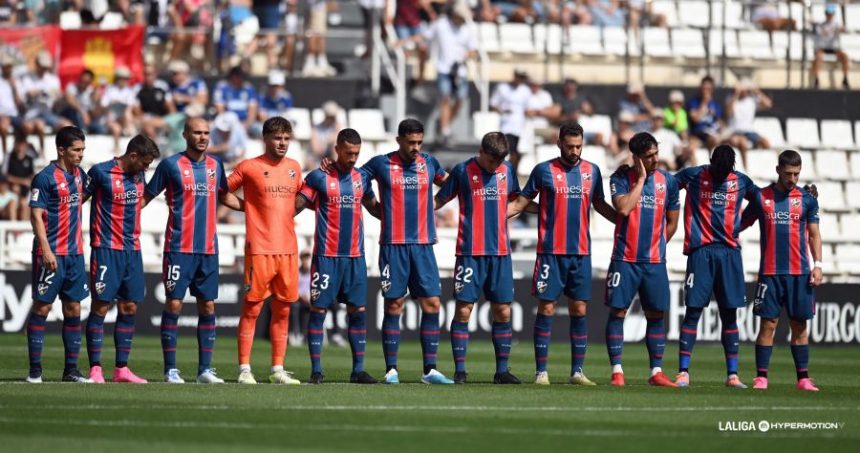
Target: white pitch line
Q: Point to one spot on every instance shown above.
(339, 408)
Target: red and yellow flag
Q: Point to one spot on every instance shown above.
(101, 51)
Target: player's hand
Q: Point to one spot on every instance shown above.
(812, 189)
(326, 165)
(640, 168)
(815, 279)
(50, 260)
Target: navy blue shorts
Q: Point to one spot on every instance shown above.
(116, 275)
(411, 266)
(650, 280)
(557, 274)
(715, 269)
(494, 275)
(194, 271)
(790, 291)
(69, 281)
(341, 280)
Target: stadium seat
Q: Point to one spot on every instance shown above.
(111, 21)
(703, 156)
(488, 35)
(851, 45)
(226, 249)
(548, 37)
(828, 225)
(809, 168)
(600, 227)
(20, 249)
(852, 17)
(317, 116)
(756, 44)
(850, 224)
(368, 150)
(853, 187)
(516, 38)
(761, 165)
(733, 14)
(771, 129)
(585, 39)
(301, 120)
(831, 197)
(837, 134)
(370, 122)
(615, 41)
(688, 43)
(832, 165)
(483, 122)
(668, 9)
(545, 152)
(693, 13)
(715, 43)
(527, 163)
(848, 258)
(854, 162)
(802, 132)
(597, 156)
(70, 20)
(657, 44)
(601, 124)
(796, 10)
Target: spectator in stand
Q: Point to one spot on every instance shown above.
(671, 147)
(406, 19)
(641, 14)
(229, 138)
(8, 201)
(19, 168)
(316, 62)
(606, 13)
(184, 89)
(9, 99)
(118, 101)
(269, 14)
(132, 11)
(191, 20)
(741, 109)
(41, 90)
(81, 103)
(827, 41)
(525, 11)
(324, 135)
(637, 104)
(12, 12)
(237, 96)
(154, 103)
(675, 116)
(511, 100)
(371, 13)
(572, 104)
(291, 30)
(706, 117)
(621, 137)
(540, 108)
(276, 100)
(767, 17)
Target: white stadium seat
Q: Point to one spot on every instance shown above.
(516, 38)
(317, 116)
(802, 132)
(483, 122)
(545, 153)
(601, 124)
(756, 44)
(853, 187)
(854, 160)
(809, 172)
(615, 40)
(693, 13)
(771, 129)
(370, 122)
(832, 165)
(548, 37)
(852, 16)
(828, 224)
(831, 197)
(301, 120)
(762, 164)
(688, 43)
(837, 134)
(667, 9)
(715, 43)
(850, 227)
(586, 39)
(657, 42)
(848, 258)
(488, 36)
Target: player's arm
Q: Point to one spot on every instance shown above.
(521, 204)
(373, 206)
(232, 201)
(300, 204)
(672, 223)
(625, 203)
(42, 236)
(815, 247)
(603, 208)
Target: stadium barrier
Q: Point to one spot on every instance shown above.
(837, 320)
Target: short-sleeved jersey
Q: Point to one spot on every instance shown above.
(191, 88)
(712, 212)
(117, 199)
(783, 218)
(336, 197)
(236, 100)
(269, 189)
(192, 191)
(640, 237)
(59, 193)
(483, 198)
(276, 105)
(406, 196)
(566, 193)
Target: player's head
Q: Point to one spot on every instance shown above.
(277, 132)
(196, 134)
(410, 137)
(570, 141)
(70, 145)
(140, 153)
(722, 162)
(347, 147)
(644, 147)
(788, 169)
(494, 150)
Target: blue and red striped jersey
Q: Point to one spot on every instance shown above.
(483, 198)
(117, 199)
(782, 218)
(712, 212)
(566, 194)
(336, 198)
(192, 191)
(640, 237)
(59, 193)
(406, 196)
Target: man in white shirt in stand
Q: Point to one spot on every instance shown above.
(511, 100)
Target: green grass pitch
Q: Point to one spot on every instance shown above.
(413, 417)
